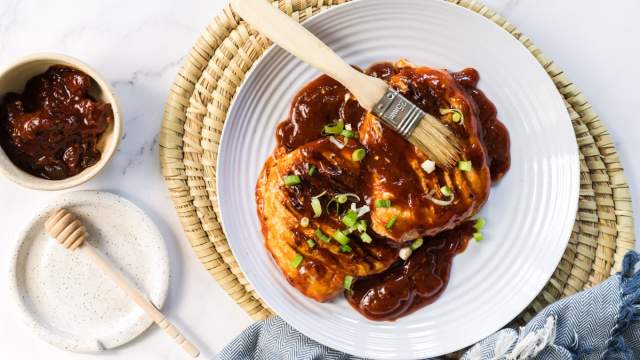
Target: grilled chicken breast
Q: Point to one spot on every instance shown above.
(330, 217)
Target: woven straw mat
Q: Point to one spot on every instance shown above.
(216, 66)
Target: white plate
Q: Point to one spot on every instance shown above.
(529, 214)
(65, 299)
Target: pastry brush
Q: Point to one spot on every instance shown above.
(423, 130)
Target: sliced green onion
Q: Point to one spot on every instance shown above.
(479, 225)
(316, 206)
(304, 222)
(345, 248)
(405, 253)
(363, 210)
(350, 218)
(456, 115)
(338, 144)
(311, 243)
(366, 238)
(446, 191)
(464, 165)
(312, 170)
(478, 236)
(348, 134)
(383, 203)
(439, 202)
(417, 243)
(358, 154)
(341, 199)
(320, 235)
(341, 237)
(428, 166)
(333, 129)
(391, 221)
(361, 226)
(291, 180)
(348, 281)
(297, 260)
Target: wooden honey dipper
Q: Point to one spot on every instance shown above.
(71, 234)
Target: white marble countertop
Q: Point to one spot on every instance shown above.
(139, 46)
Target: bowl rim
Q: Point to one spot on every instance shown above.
(12, 172)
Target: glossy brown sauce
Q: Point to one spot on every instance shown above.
(407, 285)
(410, 285)
(52, 129)
(494, 134)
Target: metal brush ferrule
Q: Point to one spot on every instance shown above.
(398, 112)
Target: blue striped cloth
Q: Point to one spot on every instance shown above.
(599, 323)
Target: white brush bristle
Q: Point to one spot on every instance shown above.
(437, 141)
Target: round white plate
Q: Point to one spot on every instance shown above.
(65, 298)
(529, 214)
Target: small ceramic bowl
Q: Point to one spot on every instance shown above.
(14, 78)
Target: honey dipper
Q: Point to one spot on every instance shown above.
(71, 234)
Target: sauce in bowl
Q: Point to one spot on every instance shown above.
(52, 129)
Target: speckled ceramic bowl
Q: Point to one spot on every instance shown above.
(13, 79)
(64, 298)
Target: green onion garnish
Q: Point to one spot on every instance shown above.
(297, 260)
(405, 253)
(348, 134)
(428, 166)
(320, 235)
(311, 243)
(304, 222)
(366, 238)
(417, 243)
(479, 225)
(341, 237)
(345, 248)
(446, 191)
(456, 115)
(478, 236)
(291, 180)
(350, 218)
(464, 165)
(361, 226)
(358, 154)
(383, 203)
(316, 206)
(312, 170)
(341, 199)
(348, 280)
(333, 129)
(391, 221)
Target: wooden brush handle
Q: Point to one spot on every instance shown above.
(297, 40)
(137, 297)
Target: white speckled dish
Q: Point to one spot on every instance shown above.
(65, 299)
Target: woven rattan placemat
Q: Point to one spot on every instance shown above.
(216, 66)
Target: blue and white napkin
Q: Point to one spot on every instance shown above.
(599, 323)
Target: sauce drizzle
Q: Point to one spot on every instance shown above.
(405, 286)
